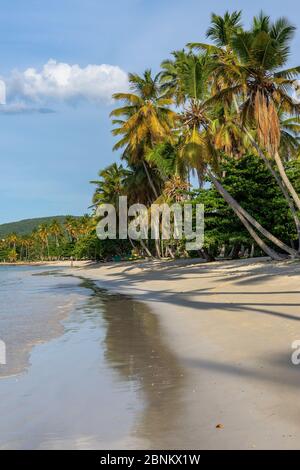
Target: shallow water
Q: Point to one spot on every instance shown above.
(85, 368)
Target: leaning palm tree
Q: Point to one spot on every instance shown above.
(248, 72)
(146, 120)
(255, 80)
(198, 146)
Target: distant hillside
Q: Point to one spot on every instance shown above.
(26, 226)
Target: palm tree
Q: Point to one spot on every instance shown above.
(289, 142)
(146, 120)
(265, 89)
(71, 227)
(110, 186)
(12, 240)
(55, 229)
(165, 157)
(86, 225)
(27, 242)
(197, 142)
(224, 27)
(248, 72)
(43, 235)
(136, 183)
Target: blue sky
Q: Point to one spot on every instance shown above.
(47, 159)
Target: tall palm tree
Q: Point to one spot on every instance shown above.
(27, 242)
(146, 119)
(248, 71)
(290, 141)
(197, 143)
(12, 240)
(224, 27)
(55, 229)
(165, 157)
(136, 183)
(111, 184)
(43, 234)
(71, 227)
(86, 225)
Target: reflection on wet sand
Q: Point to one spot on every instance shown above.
(107, 375)
(136, 349)
(31, 313)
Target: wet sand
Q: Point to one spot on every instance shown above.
(191, 346)
(103, 377)
(231, 326)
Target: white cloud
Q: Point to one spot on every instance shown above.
(62, 82)
(2, 92)
(19, 107)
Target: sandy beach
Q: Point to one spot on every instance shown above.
(231, 324)
(191, 355)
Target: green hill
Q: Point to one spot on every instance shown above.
(26, 226)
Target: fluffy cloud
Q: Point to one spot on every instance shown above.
(2, 92)
(20, 107)
(61, 82)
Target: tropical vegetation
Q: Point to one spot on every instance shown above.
(223, 102)
(222, 112)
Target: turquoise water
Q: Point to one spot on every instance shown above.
(85, 368)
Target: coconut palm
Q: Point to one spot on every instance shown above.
(55, 230)
(197, 143)
(27, 243)
(146, 119)
(71, 227)
(165, 157)
(43, 235)
(290, 142)
(110, 185)
(248, 73)
(255, 76)
(224, 27)
(12, 240)
(136, 183)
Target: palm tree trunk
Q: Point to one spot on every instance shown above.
(278, 180)
(145, 248)
(282, 173)
(169, 250)
(286, 180)
(269, 251)
(150, 180)
(157, 247)
(245, 217)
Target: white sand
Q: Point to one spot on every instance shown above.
(232, 325)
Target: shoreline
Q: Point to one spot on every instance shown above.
(48, 263)
(231, 325)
